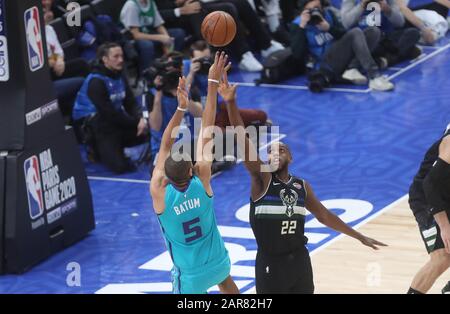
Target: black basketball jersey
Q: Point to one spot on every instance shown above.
(417, 200)
(278, 217)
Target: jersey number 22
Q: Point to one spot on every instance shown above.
(288, 226)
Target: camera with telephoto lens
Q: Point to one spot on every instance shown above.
(168, 70)
(316, 16)
(318, 81)
(205, 64)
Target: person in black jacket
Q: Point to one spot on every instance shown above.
(317, 33)
(106, 105)
(190, 13)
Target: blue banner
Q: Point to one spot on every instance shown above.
(4, 59)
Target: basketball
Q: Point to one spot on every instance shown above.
(218, 28)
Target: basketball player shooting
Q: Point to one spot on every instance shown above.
(277, 213)
(183, 200)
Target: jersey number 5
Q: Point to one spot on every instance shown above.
(189, 228)
(288, 226)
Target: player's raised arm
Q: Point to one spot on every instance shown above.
(330, 220)
(252, 162)
(205, 144)
(168, 138)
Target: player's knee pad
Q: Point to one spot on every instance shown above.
(436, 187)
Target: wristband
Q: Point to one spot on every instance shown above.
(181, 109)
(213, 81)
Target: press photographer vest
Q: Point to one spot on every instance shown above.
(318, 41)
(168, 108)
(85, 107)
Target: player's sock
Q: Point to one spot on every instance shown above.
(413, 291)
(446, 289)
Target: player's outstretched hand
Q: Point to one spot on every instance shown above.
(217, 69)
(182, 94)
(374, 244)
(227, 91)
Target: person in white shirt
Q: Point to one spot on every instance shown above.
(429, 35)
(143, 20)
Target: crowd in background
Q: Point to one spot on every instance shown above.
(116, 74)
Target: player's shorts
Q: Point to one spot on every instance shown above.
(287, 274)
(199, 281)
(429, 231)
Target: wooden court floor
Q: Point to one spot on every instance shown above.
(348, 267)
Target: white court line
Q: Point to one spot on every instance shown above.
(362, 223)
(118, 180)
(349, 90)
(412, 65)
(252, 290)
(301, 87)
(428, 47)
(279, 138)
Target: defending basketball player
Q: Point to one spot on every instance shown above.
(277, 214)
(429, 199)
(183, 200)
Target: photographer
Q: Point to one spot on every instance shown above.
(397, 43)
(196, 71)
(318, 33)
(165, 73)
(106, 114)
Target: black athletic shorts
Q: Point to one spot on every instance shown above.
(291, 273)
(429, 230)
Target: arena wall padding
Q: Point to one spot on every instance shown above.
(65, 214)
(2, 208)
(47, 204)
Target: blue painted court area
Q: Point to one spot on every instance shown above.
(358, 149)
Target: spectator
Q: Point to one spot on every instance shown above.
(60, 68)
(289, 10)
(164, 106)
(272, 13)
(243, 14)
(196, 71)
(107, 108)
(58, 7)
(67, 77)
(439, 6)
(182, 14)
(334, 51)
(429, 35)
(397, 43)
(144, 21)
